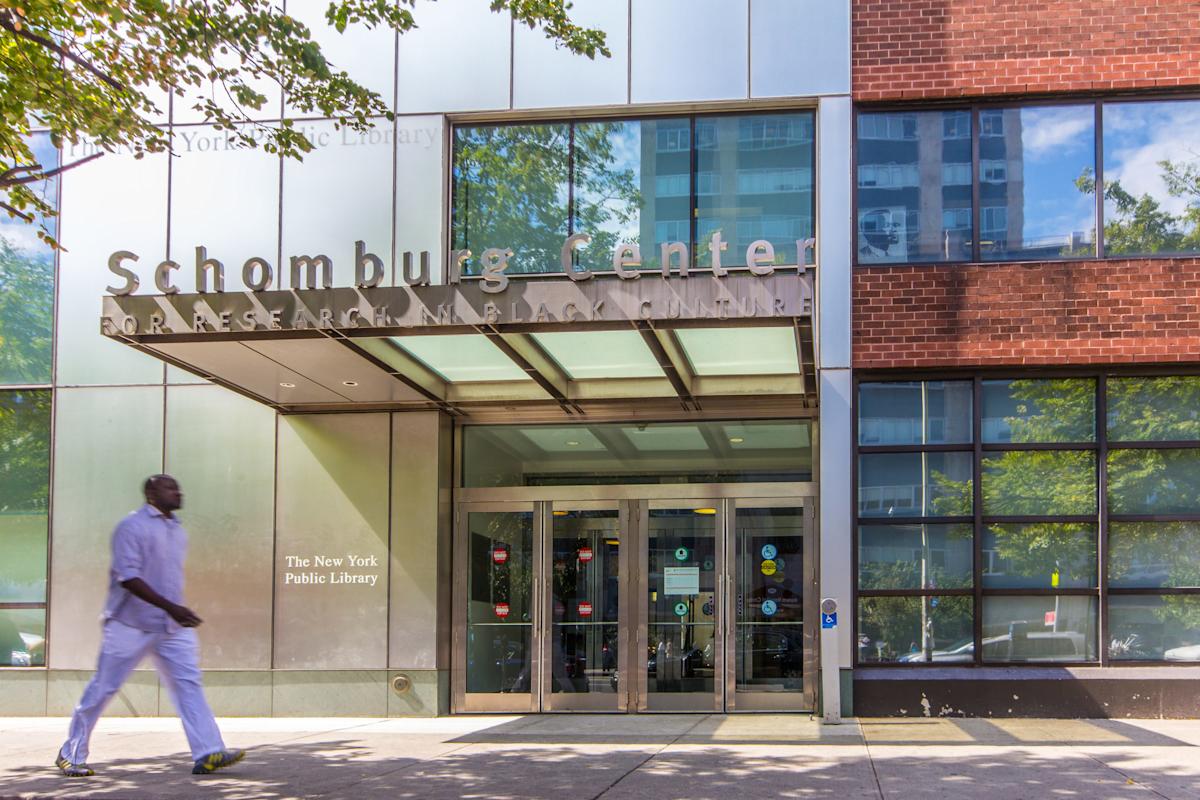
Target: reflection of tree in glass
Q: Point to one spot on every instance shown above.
(511, 191)
(893, 624)
(1135, 225)
(26, 291)
(24, 451)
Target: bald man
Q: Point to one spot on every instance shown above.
(145, 615)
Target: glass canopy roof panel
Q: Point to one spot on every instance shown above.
(740, 351)
(461, 358)
(766, 436)
(666, 438)
(566, 439)
(600, 354)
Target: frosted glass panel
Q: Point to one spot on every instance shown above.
(221, 448)
(332, 542)
(107, 442)
(463, 357)
(461, 54)
(740, 351)
(341, 193)
(224, 199)
(600, 354)
(799, 47)
(420, 187)
(689, 50)
(578, 80)
(367, 55)
(114, 203)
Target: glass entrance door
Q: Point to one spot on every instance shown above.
(681, 646)
(497, 580)
(587, 587)
(774, 593)
(634, 605)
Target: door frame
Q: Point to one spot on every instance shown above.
(631, 501)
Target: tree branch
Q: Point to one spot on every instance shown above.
(42, 176)
(7, 24)
(16, 213)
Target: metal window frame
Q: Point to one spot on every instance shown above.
(1101, 519)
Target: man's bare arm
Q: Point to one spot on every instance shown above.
(181, 614)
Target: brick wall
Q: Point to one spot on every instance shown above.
(1064, 313)
(909, 49)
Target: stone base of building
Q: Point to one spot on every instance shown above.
(1092, 692)
(237, 693)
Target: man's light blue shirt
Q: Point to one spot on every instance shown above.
(149, 545)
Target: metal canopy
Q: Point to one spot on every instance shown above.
(690, 344)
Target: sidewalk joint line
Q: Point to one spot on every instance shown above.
(648, 758)
(871, 762)
(1129, 778)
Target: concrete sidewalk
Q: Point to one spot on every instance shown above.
(662, 756)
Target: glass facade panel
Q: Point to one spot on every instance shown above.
(929, 412)
(915, 557)
(1153, 555)
(740, 351)
(1031, 411)
(631, 186)
(1039, 628)
(600, 354)
(27, 282)
(24, 496)
(754, 181)
(1030, 160)
(1043, 555)
(914, 187)
(1154, 409)
(1039, 482)
(915, 630)
(684, 452)
(914, 485)
(1154, 628)
(22, 637)
(1154, 481)
(1149, 178)
(510, 192)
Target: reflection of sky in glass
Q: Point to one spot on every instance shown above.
(1058, 144)
(1139, 135)
(21, 235)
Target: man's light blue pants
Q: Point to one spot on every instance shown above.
(176, 656)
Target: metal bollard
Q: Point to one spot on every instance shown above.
(831, 686)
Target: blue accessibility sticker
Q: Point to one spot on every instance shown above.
(829, 620)
(769, 551)
(769, 607)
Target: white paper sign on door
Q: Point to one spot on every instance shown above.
(681, 580)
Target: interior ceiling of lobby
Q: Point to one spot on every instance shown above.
(748, 370)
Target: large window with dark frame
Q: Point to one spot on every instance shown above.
(1035, 181)
(1028, 519)
(645, 182)
(27, 265)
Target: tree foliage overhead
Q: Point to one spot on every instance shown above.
(97, 70)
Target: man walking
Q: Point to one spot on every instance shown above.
(144, 614)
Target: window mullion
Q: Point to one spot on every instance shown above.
(1099, 175)
(1102, 504)
(976, 250)
(977, 503)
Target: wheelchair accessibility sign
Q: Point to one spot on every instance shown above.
(829, 620)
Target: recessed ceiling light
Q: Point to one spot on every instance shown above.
(572, 443)
(288, 385)
(349, 383)
(736, 440)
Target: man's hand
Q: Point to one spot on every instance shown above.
(184, 616)
(181, 614)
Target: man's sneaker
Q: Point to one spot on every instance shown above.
(73, 770)
(218, 760)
